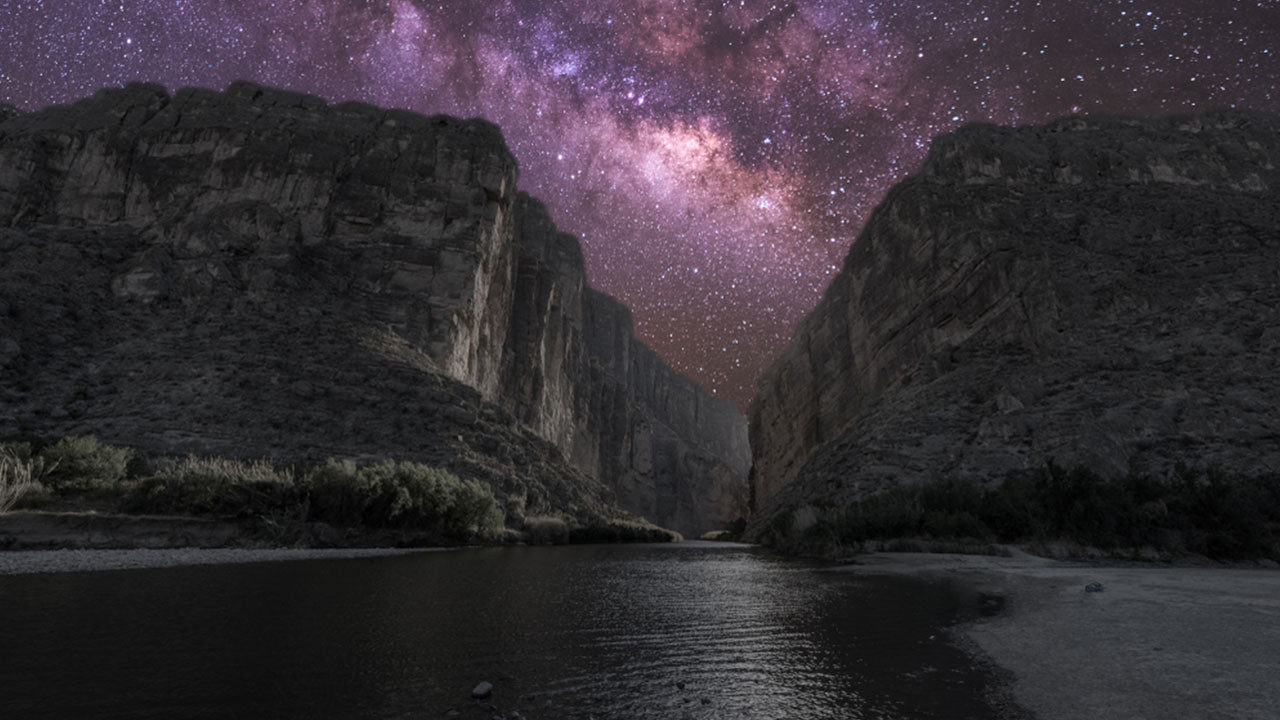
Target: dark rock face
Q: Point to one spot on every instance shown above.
(256, 273)
(1099, 292)
(576, 374)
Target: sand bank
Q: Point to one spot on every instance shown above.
(1158, 642)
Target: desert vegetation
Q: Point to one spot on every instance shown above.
(1191, 512)
(424, 504)
(387, 502)
(622, 531)
(15, 477)
(559, 530)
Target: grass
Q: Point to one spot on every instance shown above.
(214, 486)
(1209, 513)
(622, 531)
(15, 478)
(21, 474)
(551, 530)
(546, 530)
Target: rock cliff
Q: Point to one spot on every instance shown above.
(1101, 292)
(574, 372)
(257, 273)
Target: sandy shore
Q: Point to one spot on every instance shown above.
(19, 562)
(1158, 642)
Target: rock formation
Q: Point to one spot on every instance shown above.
(1101, 292)
(256, 273)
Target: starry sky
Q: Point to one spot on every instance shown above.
(717, 159)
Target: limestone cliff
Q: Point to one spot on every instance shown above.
(257, 273)
(574, 372)
(1098, 291)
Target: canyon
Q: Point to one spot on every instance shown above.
(258, 274)
(255, 273)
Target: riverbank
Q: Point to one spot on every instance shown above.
(1157, 641)
(25, 562)
(97, 530)
(94, 530)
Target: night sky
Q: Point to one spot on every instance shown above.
(716, 158)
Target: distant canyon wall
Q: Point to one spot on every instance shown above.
(575, 373)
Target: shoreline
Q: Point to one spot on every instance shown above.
(30, 562)
(1158, 641)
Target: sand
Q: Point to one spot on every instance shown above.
(21, 562)
(1158, 642)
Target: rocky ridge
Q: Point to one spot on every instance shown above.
(257, 273)
(1101, 292)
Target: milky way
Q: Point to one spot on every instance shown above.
(715, 158)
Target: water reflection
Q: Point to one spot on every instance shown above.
(692, 630)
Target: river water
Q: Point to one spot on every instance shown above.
(697, 630)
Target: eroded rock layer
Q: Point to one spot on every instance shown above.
(256, 273)
(1097, 292)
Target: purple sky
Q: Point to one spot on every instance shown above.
(716, 158)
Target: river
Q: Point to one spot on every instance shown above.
(697, 630)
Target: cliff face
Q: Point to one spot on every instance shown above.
(1099, 292)
(574, 372)
(257, 273)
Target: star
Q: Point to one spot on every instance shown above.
(696, 147)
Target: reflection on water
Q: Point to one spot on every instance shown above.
(692, 630)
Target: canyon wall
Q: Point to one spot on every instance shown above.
(575, 373)
(1102, 292)
(258, 273)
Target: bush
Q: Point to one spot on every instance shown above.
(76, 465)
(402, 495)
(388, 495)
(17, 450)
(1209, 513)
(622, 531)
(953, 525)
(216, 486)
(336, 493)
(897, 512)
(545, 530)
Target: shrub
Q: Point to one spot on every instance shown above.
(84, 464)
(545, 530)
(1235, 518)
(336, 494)
(403, 495)
(17, 450)
(953, 525)
(216, 486)
(1210, 513)
(894, 513)
(622, 531)
(387, 495)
